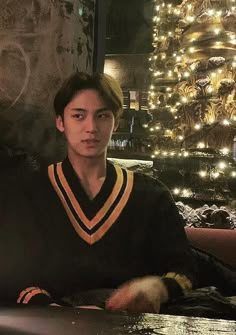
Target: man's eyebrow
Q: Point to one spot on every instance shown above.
(104, 109)
(99, 110)
(78, 109)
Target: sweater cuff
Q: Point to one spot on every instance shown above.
(34, 295)
(177, 284)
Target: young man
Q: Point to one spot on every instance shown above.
(101, 226)
(129, 233)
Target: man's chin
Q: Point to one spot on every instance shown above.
(94, 155)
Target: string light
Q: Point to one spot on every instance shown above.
(176, 191)
(215, 175)
(183, 67)
(225, 151)
(222, 165)
(217, 31)
(202, 173)
(197, 126)
(226, 122)
(201, 145)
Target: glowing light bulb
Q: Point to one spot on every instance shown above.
(215, 175)
(190, 18)
(225, 151)
(202, 173)
(186, 192)
(226, 122)
(197, 126)
(222, 165)
(201, 145)
(176, 191)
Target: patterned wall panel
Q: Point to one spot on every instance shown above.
(41, 43)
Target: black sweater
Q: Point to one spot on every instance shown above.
(54, 237)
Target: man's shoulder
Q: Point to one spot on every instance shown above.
(149, 182)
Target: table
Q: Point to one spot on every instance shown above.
(69, 321)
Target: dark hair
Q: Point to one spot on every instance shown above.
(107, 87)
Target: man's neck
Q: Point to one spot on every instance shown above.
(91, 173)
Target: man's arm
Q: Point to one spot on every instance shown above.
(171, 252)
(34, 295)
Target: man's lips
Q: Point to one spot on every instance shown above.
(90, 140)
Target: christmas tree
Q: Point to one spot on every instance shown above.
(192, 97)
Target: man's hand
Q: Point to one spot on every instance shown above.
(143, 295)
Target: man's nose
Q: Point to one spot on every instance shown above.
(91, 125)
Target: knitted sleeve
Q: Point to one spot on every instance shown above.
(170, 245)
(34, 295)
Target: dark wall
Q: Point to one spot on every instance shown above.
(129, 26)
(41, 43)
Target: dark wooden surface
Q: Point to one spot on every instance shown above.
(68, 321)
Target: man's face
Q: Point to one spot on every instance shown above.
(88, 125)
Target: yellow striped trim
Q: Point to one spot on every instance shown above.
(117, 211)
(182, 280)
(27, 294)
(22, 293)
(33, 293)
(91, 239)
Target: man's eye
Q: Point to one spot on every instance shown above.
(77, 116)
(103, 115)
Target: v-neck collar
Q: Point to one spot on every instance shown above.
(91, 218)
(85, 201)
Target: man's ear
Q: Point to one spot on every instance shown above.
(59, 123)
